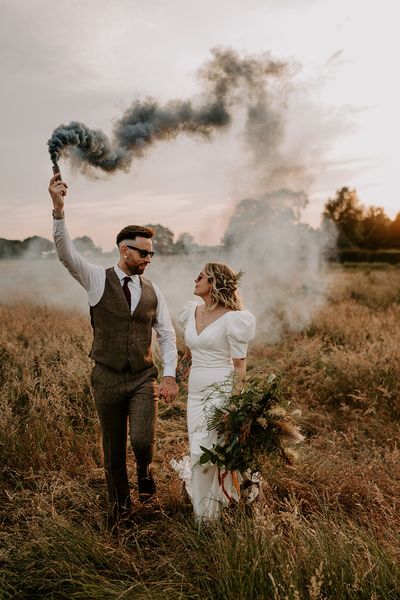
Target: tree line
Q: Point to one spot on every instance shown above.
(361, 231)
(360, 227)
(37, 246)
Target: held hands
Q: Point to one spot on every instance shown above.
(57, 191)
(168, 389)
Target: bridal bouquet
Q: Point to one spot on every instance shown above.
(251, 424)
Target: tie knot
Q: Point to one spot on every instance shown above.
(127, 280)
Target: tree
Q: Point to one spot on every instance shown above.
(346, 212)
(185, 243)
(163, 240)
(394, 233)
(251, 215)
(85, 245)
(10, 248)
(31, 247)
(375, 229)
(37, 246)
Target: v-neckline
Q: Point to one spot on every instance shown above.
(212, 323)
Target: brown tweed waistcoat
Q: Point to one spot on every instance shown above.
(122, 339)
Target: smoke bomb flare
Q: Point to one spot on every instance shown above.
(228, 80)
(56, 171)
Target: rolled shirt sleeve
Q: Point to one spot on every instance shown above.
(91, 277)
(165, 336)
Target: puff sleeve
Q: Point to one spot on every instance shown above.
(183, 314)
(241, 328)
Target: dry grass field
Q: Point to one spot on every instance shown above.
(328, 527)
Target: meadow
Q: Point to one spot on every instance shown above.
(328, 527)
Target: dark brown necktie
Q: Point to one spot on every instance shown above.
(126, 290)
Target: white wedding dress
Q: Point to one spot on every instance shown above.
(209, 487)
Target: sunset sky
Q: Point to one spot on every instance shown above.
(87, 60)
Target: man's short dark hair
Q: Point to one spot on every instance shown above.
(131, 232)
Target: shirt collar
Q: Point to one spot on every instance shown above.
(120, 274)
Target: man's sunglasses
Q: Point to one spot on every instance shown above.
(142, 253)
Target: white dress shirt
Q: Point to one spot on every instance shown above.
(93, 279)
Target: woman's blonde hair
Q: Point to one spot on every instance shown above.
(224, 282)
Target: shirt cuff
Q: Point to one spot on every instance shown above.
(169, 372)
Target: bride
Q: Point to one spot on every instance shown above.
(216, 335)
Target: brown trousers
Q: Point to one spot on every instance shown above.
(119, 398)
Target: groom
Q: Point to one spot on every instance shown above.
(124, 308)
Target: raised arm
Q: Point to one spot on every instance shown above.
(91, 277)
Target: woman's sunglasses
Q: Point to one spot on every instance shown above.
(200, 277)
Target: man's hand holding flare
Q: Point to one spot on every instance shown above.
(57, 189)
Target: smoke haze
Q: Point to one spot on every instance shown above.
(284, 279)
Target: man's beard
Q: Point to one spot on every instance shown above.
(138, 270)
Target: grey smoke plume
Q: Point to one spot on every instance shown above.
(227, 80)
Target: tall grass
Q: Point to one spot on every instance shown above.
(326, 528)
(47, 413)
